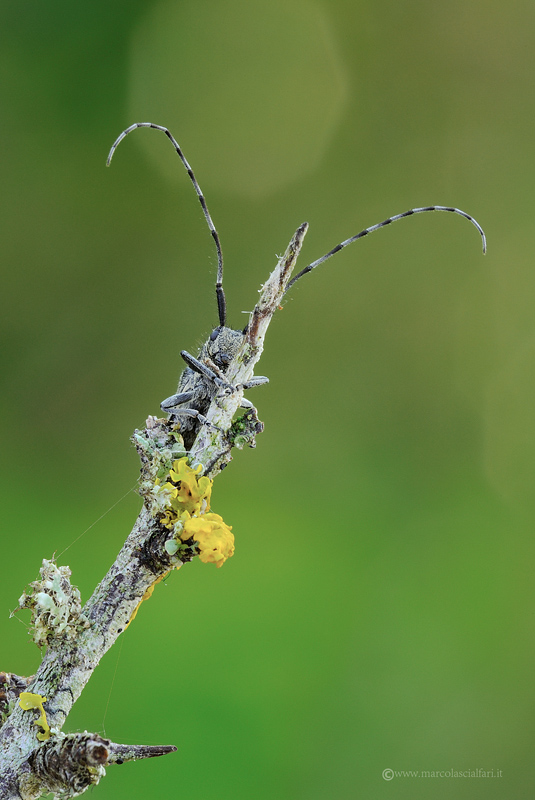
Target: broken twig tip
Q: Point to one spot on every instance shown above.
(120, 753)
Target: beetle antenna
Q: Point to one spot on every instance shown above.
(382, 225)
(220, 294)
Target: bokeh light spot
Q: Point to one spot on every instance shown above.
(253, 91)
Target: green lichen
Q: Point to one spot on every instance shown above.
(244, 430)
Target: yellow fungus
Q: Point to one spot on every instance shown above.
(214, 537)
(191, 490)
(182, 504)
(148, 593)
(27, 701)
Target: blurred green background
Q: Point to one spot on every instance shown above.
(379, 610)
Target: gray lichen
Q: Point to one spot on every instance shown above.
(55, 604)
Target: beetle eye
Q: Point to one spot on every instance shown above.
(225, 359)
(214, 335)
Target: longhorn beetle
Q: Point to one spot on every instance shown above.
(205, 375)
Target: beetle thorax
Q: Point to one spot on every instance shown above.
(222, 346)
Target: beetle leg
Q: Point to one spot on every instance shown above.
(258, 381)
(192, 412)
(208, 373)
(176, 400)
(203, 370)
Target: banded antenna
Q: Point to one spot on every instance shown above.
(220, 294)
(366, 231)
